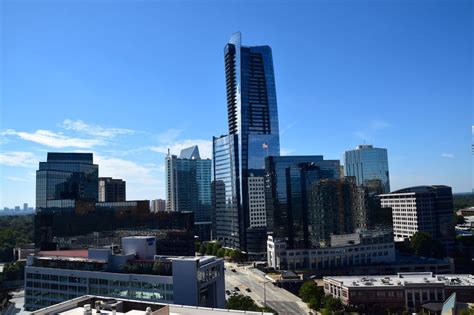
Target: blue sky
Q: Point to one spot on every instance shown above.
(127, 79)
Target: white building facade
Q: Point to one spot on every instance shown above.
(347, 250)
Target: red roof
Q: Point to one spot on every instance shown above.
(83, 253)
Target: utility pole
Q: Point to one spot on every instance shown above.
(265, 292)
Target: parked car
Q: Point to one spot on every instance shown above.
(227, 292)
(233, 270)
(237, 289)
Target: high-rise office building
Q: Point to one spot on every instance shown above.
(71, 176)
(111, 189)
(287, 185)
(422, 208)
(77, 224)
(188, 187)
(158, 205)
(253, 133)
(367, 163)
(336, 206)
(226, 211)
(258, 213)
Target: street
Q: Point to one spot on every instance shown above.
(17, 304)
(277, 298)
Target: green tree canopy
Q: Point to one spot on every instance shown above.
(237, 255)
(310, 290)
(331, 303)
(220, 252)
(423, 244)
(242, 302)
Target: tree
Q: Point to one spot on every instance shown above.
(314, 303)
(220, 252)
(310, 290)
(237, 255)
(14, 271)
(202, 249)
(15, 231)
(420, 243)
(215, 248)
(228, 251)
(158, 268)
(331, 303)
(467, 311)
(209, 248)
(423, 245)
(242, 302)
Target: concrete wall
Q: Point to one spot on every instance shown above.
(185, 291)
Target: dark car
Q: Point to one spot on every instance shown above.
(248, 290)
(227, 292)
(237, 289)
(233, 270)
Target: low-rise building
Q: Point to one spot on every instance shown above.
(52, 277)
(89, 304)
(361, 248)
(376, 294)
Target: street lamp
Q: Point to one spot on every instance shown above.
(265, 292)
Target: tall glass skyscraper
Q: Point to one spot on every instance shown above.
(288, 181)
(188, 187)
(253, 129)
(71, 176)
(368, 165)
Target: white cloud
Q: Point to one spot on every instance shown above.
(169, 135)
(143, 180)
(127, 170)
(205, 147)
(94, 130)
(18, 179)
(54, 140)
(18, 158)
(447, 155)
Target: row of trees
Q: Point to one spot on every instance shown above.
(13, 271)
(314, 296)
(422, 244)
(15, 231)
(216, 249)
(158, 268)
(245, 303)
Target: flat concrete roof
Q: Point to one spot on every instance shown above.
(402, 279)
(83, 253)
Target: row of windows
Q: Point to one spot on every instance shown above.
(92, 281)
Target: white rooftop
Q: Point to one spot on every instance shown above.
(134, 307)
(173, 310)
(402, 279)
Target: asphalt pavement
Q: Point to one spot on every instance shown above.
(262, 290)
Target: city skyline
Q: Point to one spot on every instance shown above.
(133, 147)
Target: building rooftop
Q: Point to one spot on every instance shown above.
(132, 307)
(402, 279)
(78, 253)
(416, 190)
